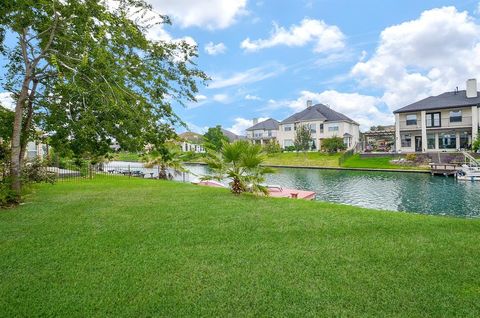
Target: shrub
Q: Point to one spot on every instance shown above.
(7, 195)
(272, 147)
(411, 157)
(333, 144)
(289, 148)
(476, 144)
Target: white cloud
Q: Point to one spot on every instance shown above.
(249, 76)
(241, 124)
(221, 98)
(325, 37)
(196, 129)
(364, 109)
(423, 57)
(200, 98)
(210, 14)
(152, 20)
(215, 49)
(252, 97)
(6, 100)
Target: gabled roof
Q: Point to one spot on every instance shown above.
(445, 100)
(269, 124)
(317, 112)
(231, 136)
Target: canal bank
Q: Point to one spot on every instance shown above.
(384, 190)
(334, 168)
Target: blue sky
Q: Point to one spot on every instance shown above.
(363, 58)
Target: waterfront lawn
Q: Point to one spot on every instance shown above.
(127, 156)
(133, 248)
(356, 161)
(308, 159)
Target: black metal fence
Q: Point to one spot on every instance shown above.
(114, 170)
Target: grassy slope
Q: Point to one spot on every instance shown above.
(127, 156)
(356, 161)
(309, 159)
(130, 247)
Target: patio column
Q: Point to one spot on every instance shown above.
(474, 122)
(424, 130)
(398, 140)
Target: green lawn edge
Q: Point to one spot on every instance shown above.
(129, 247)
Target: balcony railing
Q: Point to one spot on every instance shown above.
(445, 123)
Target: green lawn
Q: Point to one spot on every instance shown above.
(127, 156)
(309, 159)
(356, 161)
(124, 247)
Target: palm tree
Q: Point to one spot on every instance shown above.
(167, 157)
(241, 162)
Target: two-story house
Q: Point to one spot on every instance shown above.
(191, 142)
(263, 132)
(324, 122)
(447, 122)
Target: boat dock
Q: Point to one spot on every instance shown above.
(444, 169)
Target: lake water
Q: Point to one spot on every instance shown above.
(409, 192)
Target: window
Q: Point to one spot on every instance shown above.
(287, 143)
(456, 116)
(433, 120)
(258, 135)
(447, 140)
(321, 128)
(333, 128)
(406, 140)
(465, 138)
(411, 120)
(431, 141)
(269, 133)
(287, 128)
(313, 128)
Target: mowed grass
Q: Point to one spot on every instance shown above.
(308, 159)
(356, 161)
(124, 247)
(127, 156)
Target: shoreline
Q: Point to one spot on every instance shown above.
(337, 168)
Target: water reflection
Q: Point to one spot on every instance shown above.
(410, 192)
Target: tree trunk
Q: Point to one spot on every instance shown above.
(15, 166)
(28, 122)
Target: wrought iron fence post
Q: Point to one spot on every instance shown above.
(129, 172)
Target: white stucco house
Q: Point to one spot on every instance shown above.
(447, 122)
(324, 122)
(263, 132)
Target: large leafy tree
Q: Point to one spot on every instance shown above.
(214, 138)
(241, 162)
(87, 73)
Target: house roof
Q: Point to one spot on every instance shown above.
(317, 112)
(191, 137)
(231, 136)
(269, 124)
(445, 100)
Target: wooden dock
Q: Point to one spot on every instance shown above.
(444, 169)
